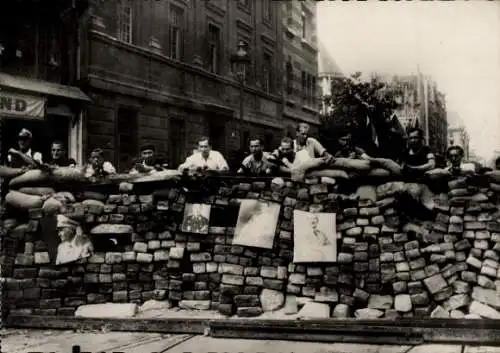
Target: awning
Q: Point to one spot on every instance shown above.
(41, 87)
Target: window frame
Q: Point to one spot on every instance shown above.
(214, 49)
(122, 36)
(176, 29)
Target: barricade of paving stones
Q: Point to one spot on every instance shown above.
(388, 265)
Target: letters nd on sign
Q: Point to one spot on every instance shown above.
(16, 105)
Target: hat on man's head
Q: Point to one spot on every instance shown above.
(97, 151)
(65, 222)
(147, 147)
(25, 133)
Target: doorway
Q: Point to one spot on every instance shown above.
(44, 132)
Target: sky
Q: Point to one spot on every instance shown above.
(456, 43)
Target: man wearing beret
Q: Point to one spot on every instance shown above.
(23, 156)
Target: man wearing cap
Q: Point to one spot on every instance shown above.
(148, 161)
(24, 155)
(74, 244)
(97, 166)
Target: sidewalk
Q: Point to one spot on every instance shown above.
(25, 341)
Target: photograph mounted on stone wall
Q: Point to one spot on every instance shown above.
(256, 226)
(196, 218)
(315, 237)
(69, 243)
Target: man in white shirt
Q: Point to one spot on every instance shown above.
(16, 158)
(97, 166)
(313, 147)
(205, 159)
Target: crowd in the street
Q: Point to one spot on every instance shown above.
(416, 159)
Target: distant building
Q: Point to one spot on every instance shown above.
(458, 136)
(422, 105)
(328, 71)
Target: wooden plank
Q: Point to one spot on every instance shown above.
(177, 325)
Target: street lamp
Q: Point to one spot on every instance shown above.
(239, 60)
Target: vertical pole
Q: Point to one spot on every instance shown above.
(242, 107)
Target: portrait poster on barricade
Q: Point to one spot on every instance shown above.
(67, 243)
(256, 225)
(196, 218)
(315, 237)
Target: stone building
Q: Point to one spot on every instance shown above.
(422, 105)
(39, 72)
(328, 71)
(458, 136)
(160, 71)
(300, 64)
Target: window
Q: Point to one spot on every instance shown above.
(177, 142)
(266, 73)
(289, 13)
(213, 48)
(244, 3)
(314, 91)
(126, 143)
(176, 21)
(309, 90)
(125, 21)
(304, 85)
(289, 78)
(267, 10)
(248, 67)
(303, 24)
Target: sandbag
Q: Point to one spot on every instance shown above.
(387, 164)
(302, 163)
(65, 197)
(125, 187)
(495, 187)
(67, 174)
(8, 172)
(494, 176)
(40, 191)
(330, 173)
(33, 176)
(52, 206)
(124, 177)
(359, 165)
(169, 174)
(437, 173)
(379, 172)
(23, 201)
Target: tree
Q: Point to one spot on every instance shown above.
(366, 109)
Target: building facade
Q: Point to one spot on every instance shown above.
(328, 71)
(160, 71)
(300, 64)
(421, 105)
(458, 136)
(39, 75)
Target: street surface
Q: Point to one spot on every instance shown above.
(25, 341)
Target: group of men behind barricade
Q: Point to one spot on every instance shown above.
(416, 159)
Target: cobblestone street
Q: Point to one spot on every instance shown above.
(25, 341)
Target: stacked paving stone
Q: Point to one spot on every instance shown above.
(388, 265)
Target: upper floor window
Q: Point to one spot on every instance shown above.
(314, 90)
(244, 3)
(267, 10)
(309, 90)
(289, 78)
(213, 48)
(303, 24)
(125, 21)
(175, 32)
(304, 84)
(266, 72)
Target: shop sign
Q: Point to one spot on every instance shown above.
(16, 105)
